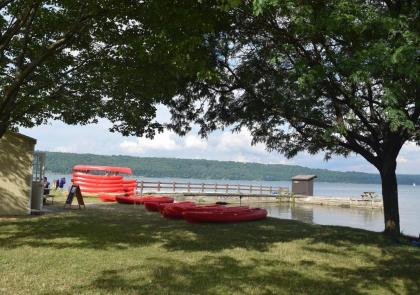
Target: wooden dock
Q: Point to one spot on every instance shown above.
(239, 193)
(144, 187)
(375, 203)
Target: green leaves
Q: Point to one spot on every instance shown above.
(336, 76)
(117, 61)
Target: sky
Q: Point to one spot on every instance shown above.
(220, 145)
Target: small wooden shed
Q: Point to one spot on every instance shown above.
(16, 154)
(303, 185)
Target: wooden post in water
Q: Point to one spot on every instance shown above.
(227, 188)
(141, 188)
(239, 189)
(173, 186)
(202, 187)
(250, 189)
(158, 186)
(215, 188)
(189, 187)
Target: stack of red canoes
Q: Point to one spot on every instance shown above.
(211, 213)
(110, 184)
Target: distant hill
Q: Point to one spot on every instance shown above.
(206, 169)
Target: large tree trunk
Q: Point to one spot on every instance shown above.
(390, 197)
(3, 129)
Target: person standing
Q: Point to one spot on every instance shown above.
(62, 183)
(46, 185)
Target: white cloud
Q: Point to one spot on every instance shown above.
(402, 160)
(194, 142)
(64, 149)
(237, 141)
(410, 147)
(228, 140)
(240, 158)
(162, 141)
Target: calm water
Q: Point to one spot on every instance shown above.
(409, 202)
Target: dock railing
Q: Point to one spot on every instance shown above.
(190, 187)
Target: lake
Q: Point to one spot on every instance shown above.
(370, 219)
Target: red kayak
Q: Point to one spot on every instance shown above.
(158, 199)
(102, 189)
(89, 181)
(98, 185)
(128, 200)
(225, 215)
(152, 206)
(96, 177)
(175, 210)
(108, 198)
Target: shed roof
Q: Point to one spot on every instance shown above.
(303, 177)
(23, 136)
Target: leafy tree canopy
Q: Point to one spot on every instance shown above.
(76, 61)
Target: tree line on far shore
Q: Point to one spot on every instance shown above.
(207, 169)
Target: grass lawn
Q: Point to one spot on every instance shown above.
(122, 249)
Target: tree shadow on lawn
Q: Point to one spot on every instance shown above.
(102, 229)
(129, 227)
(227, 275)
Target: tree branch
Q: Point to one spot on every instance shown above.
(17, 25)
(25, 40)
(11, 92)
(4, 3)
(355, 147)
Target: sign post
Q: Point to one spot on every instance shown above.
(75, 191)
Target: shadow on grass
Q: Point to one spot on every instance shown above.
(227, 275)
(133, 226)
(120, 227)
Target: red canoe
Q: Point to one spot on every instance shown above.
(92, 181)
(128, 200)
(175, 210)
(152, 206)
(88, 168)
(116, 189)
(158, 199)
(225, 215)
(96, 177)
(108, 198)
(142, 200)
(98, 185)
